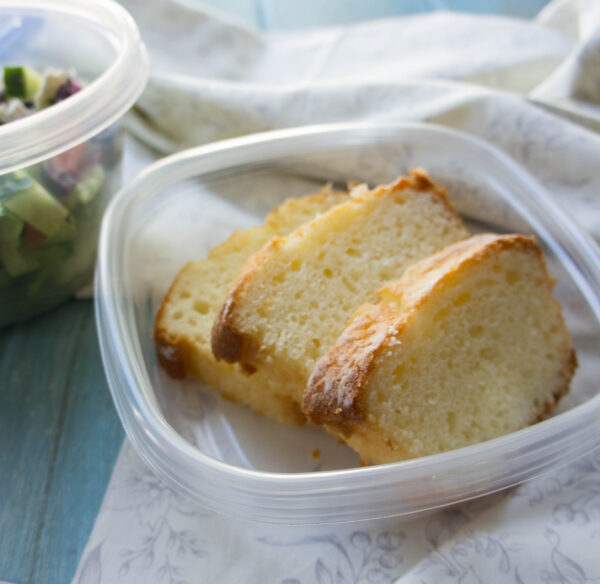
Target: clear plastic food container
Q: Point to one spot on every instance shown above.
(229, 459)
(60, 166)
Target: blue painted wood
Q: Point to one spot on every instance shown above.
(90, 439)
(59, 437)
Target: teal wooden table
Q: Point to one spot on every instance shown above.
(59, 433)
(59, 437)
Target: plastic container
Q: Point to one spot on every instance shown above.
(98, 42)
(236, 463)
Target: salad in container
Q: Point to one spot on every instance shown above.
(69, 72)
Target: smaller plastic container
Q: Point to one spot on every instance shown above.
(239, 464)
(71, 150)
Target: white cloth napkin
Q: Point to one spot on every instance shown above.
(483, 75)
(212, 80)
(546, 531)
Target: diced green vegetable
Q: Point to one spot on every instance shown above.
(15, 262)
(22, 82)
(86, 189)
(19, 261)
(14, 82)
(51, 82)
(37, 206)
(11, 227)
(39, 279)
(47, 258)
(45, 255)
(65, 232)
(14, 182)
(50, 211)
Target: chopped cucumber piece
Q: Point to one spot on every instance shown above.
(14, 182)
(11, 227)
(19, 261)
(86, 189)
(37, 206)
(48, 88)
(22, 82)
(45, 255)
(39, 279)
(66, 232)
(14, 82)
(15, 262)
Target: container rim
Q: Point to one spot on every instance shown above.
(98, 105)
(167, 452)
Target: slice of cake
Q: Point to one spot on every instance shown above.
(293, 298)
(468, 345)
(186, 315)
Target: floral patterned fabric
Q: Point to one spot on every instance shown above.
(531, 89)
(546, 531)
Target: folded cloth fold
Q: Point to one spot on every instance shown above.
(501, 79)
(219, 80)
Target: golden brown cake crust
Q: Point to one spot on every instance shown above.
(422, 278)
(183, 322)
(168, 349)
(229, 342)
(333, 394)
(567, 373)
(174, 349)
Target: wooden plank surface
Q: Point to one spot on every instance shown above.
(59, 436)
